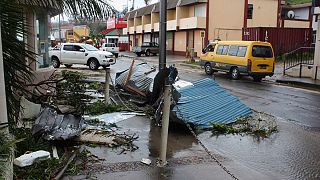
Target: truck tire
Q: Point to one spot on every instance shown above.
(208, 69)
(93, 64)
(68, 65)
(257, 78)
(235, 73)
(148, 52)
(55, 62)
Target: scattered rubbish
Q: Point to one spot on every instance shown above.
(95, 137)
(181, 84)
(55, 152)
(66, 109)
(52, 126)
(110, 138)
(146, 161)
(29, 110)
(29, 159)
(73, 156)
(114, 117)
(206, 102)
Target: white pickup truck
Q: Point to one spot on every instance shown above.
(77, 53)
(110, 47)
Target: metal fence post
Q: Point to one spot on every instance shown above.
(300, 72)
(284, 64)
(107, 86)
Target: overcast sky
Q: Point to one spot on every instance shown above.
(118, 4)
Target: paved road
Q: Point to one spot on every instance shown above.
(292, 153)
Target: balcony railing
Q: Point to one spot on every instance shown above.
(139, 29)
(193, 23)
(156, 27)
(131, 30)
(172, 25)
(147, 28)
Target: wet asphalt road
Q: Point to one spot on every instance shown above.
(292, 153)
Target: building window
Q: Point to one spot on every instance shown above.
(250, 11)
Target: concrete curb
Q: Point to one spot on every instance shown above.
(190, 65)
(299, 83)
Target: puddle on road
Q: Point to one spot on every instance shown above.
(292, 153)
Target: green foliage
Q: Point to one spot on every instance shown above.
(15, 53)
(71, 91)
(248, 124)
(100, 107)
(219, 128)
(29, 142)
(298, 1)
(16, 71)
(39, 170)
(96, 86)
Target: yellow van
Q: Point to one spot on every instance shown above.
(251, 58)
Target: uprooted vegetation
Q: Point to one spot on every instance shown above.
(69, 93)
(258, 124)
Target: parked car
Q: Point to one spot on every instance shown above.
(251, 58)
(76, 53)
(147, 49)
(110, 47)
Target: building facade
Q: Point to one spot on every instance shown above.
(194, 23)
(186, 24)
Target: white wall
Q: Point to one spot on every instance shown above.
(200, 10)
(302, 13)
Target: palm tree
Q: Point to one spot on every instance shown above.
(15, 53)
(147, 2)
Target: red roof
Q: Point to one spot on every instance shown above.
(106, 31)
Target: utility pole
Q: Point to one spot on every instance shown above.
(167, 88)
(3, 102)
(59, 29)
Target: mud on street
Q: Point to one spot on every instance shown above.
(291, 153)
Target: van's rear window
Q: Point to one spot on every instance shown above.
(262, 51)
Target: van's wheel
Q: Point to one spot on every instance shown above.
(148, 53)
(93, 64)
(55, 62)
(68, 65)
(235, 73)
(257, 78)
(208, 69)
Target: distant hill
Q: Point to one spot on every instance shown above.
(298, 1)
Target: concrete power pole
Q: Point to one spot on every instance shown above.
(167, 88)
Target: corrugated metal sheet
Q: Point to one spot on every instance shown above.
(191, 2)
(142, 77)
(283, 40)
(206, 102)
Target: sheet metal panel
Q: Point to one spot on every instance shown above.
(206, 102)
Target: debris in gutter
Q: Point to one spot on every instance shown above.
(146, 161)
(52, 126)
(29, 159)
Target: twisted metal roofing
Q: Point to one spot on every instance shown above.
(206, 102)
